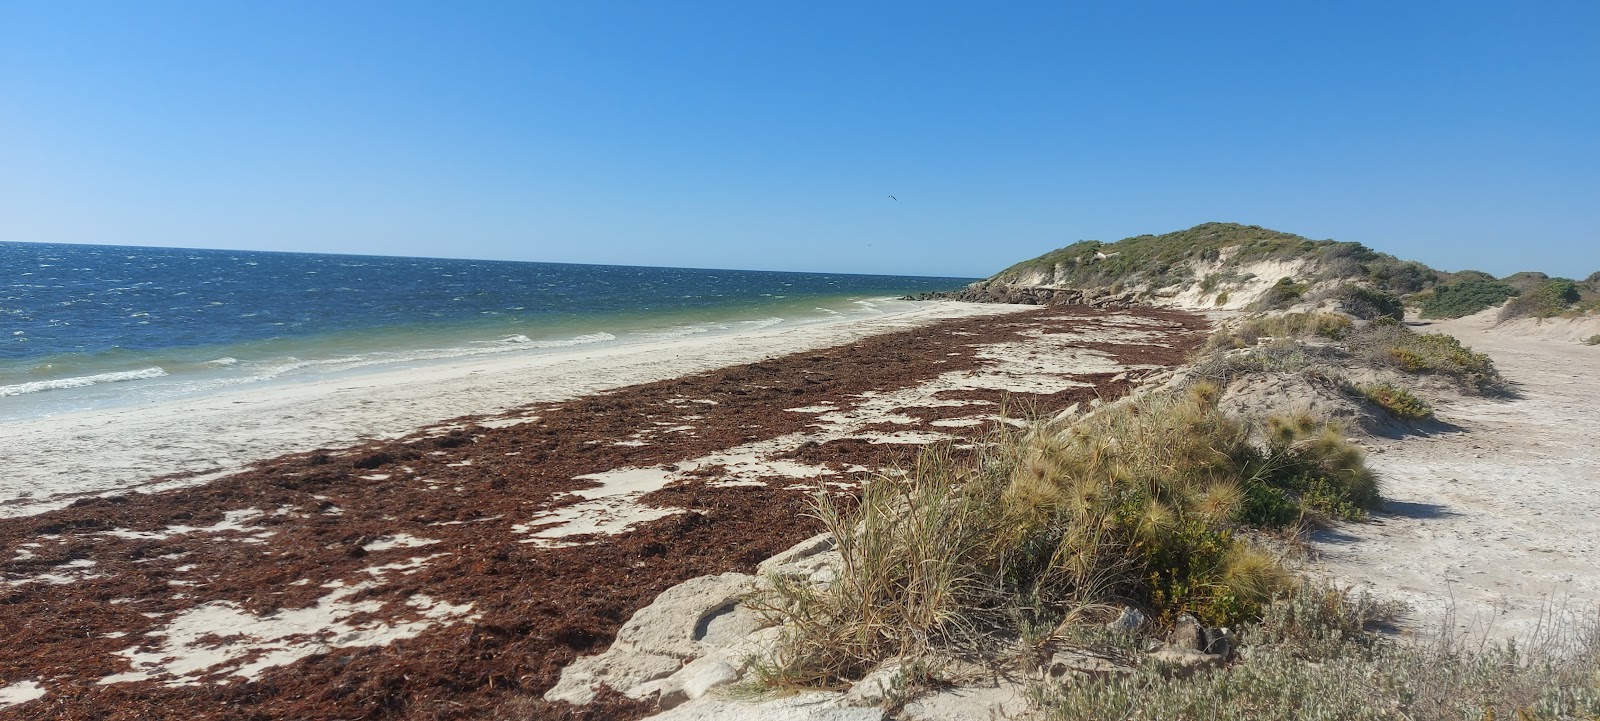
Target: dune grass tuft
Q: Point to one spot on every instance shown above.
(1400, 402)
(1139, 503)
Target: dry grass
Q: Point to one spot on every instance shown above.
(1139, 503)
(1249, 331)
(1314, 657)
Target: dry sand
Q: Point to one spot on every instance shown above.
(109, 450)
(1494, 526)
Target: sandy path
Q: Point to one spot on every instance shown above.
(1502, 517)
(103, 451)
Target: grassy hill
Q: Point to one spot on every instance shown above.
(1237, 266)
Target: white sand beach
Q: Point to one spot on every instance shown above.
(48, 462)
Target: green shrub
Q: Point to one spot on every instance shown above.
(1222, 298)
(1394, 345)
(1592, 340)
(1401, 276)
(1548, 299)
(1399, 402)
(1368, 303)
(1465, 298)
(1281, 295)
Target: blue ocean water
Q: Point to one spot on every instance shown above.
(83, 326)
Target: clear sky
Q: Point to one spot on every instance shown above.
(768, 135)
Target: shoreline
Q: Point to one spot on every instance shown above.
(455, 570)
(203, 437)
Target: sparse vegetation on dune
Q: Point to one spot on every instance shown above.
(1313, 656)
(1397, 346)
(1140, 503)
(1382, 343)
(1400, 402)
(1031, 541)
(1171, 259)
(1220, 261)
(1247, 332)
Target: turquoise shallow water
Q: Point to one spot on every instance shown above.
(88, 326)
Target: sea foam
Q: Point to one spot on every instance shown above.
(81, 381)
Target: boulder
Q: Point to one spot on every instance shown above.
(691, 620)
(1176, 662)
(877, 686)
(1065, 664)
(1218, 642)
(1128, 621)
(1188, 634)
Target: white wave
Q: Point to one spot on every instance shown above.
(579, 340)
(80, 381)
(679, 331)
(269, 371)
(223, 361)
(759, 324)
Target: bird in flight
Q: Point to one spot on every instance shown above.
(894, 199)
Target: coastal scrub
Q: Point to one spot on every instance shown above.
(1141, 503)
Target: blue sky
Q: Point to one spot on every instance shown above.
(768, 135)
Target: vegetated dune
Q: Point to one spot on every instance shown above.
(1228, 266)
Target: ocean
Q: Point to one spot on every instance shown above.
(90, 326)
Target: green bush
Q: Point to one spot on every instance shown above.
(1546, 300)
(1465, 298)
(1222, 298)
(1399, 402)
(1368, 303)
(1592, 340)
(1394, 345)
(1281, 295)
(1401, 276)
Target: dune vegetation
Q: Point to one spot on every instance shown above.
(1046, 538)
(1145, 504)
(1220, 262)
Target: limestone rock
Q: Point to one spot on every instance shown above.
(814, 559)
(1178, 662)
(1129, 621)
(878, 685)
(1188, 634)
(1218, 643)
(1065, 664)
(679, 618)
(693, 619)
(998, 699)
(809, 706)
(581, 679)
